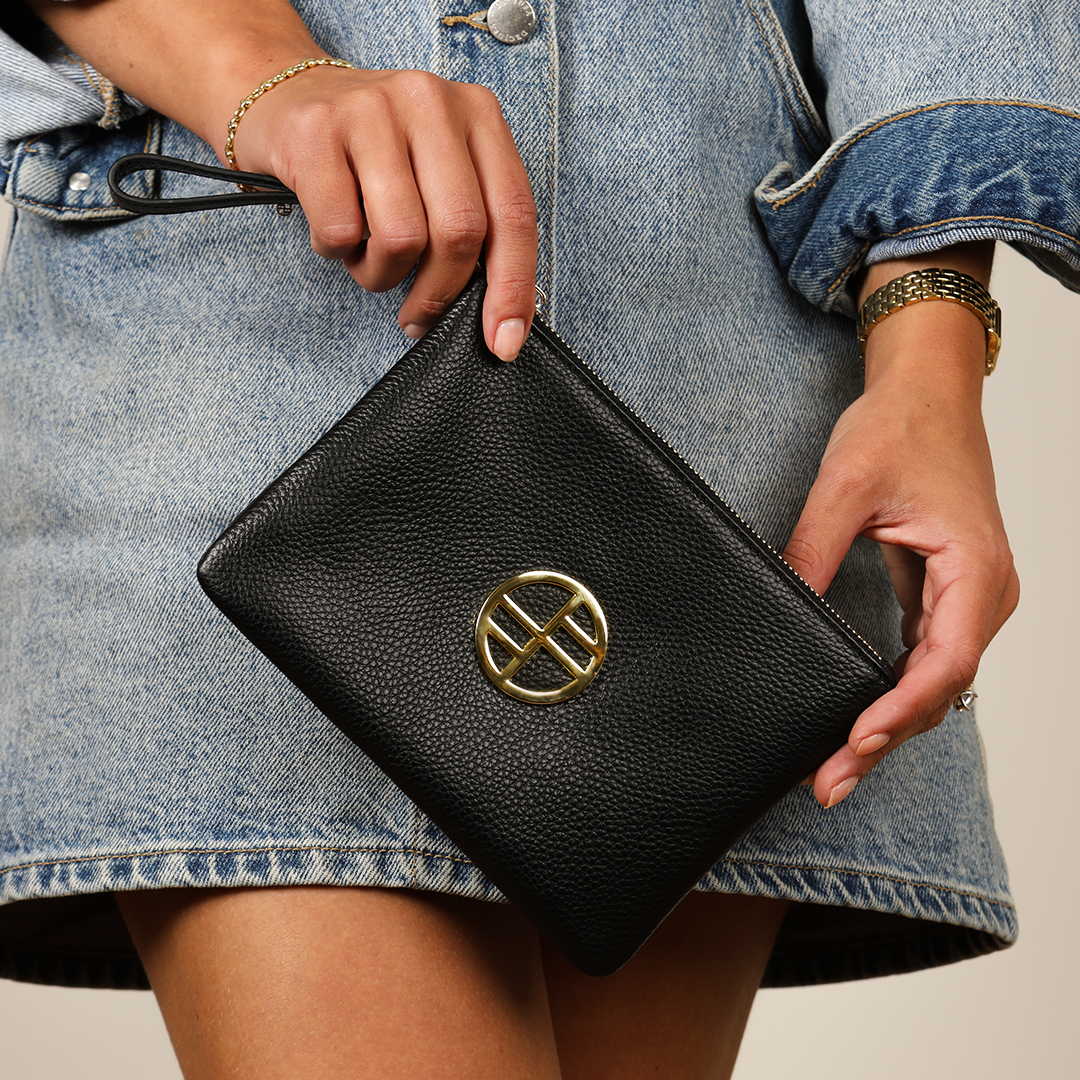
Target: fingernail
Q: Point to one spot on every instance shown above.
(872, 743)
(415, 330)
(841, 791)
(509, 338)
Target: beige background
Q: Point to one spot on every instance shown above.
(1004, 1016)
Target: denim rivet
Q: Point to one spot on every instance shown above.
(511, 21)
(79, 181)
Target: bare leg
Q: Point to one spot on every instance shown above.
(330, 982)
(677, 1010)
(323, 982)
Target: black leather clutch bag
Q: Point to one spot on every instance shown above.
(545, 628)
(538, 621)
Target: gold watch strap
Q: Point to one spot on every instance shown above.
(934, 284)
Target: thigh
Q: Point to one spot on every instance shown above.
(677, 1010)
(318, 982)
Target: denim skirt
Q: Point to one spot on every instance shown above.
(157, 373)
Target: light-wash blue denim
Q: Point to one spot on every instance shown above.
(693, 167)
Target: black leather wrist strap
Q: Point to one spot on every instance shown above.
(273, 192)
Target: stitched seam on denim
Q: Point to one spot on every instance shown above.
(232, 851)
(906, 116)
(796, 77)
(414, 861)
(72, 59)
(453, 858)
(115, 210)
(5, 244)
(549, 30)
(112, 102)
(440, 14)
(986, 217)
(106, 90)
(780, 80)
(944, 221)
(851, 266)
(868, 874)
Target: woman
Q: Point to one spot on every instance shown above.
(161, 372)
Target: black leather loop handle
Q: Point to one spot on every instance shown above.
(278, 194)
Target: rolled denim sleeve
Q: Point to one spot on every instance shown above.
(956, 122)
(44, 86)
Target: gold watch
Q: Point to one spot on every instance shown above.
(934, 284)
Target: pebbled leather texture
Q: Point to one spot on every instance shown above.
(361, 570)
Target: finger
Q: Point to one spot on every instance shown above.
(838, 777)
(494, 197)
(932, 675)
(966, 616)
(456, 224)
(329, 194)
(445, 172)
(962, 618)
(396, 215)
(907, 572)
(935, 671)
(512, 240)
(829, 522)
(456, 227)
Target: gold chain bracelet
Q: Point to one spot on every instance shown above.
(934, 284)
(258, 92)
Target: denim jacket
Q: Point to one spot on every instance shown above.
(918, 125)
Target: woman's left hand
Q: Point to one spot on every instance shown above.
(908, 465)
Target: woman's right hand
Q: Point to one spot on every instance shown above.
(432, 163)
(441, 182)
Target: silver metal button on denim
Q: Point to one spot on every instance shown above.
(79, 181)
(511, 21)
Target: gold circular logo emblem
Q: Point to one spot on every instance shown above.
(541, 637)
